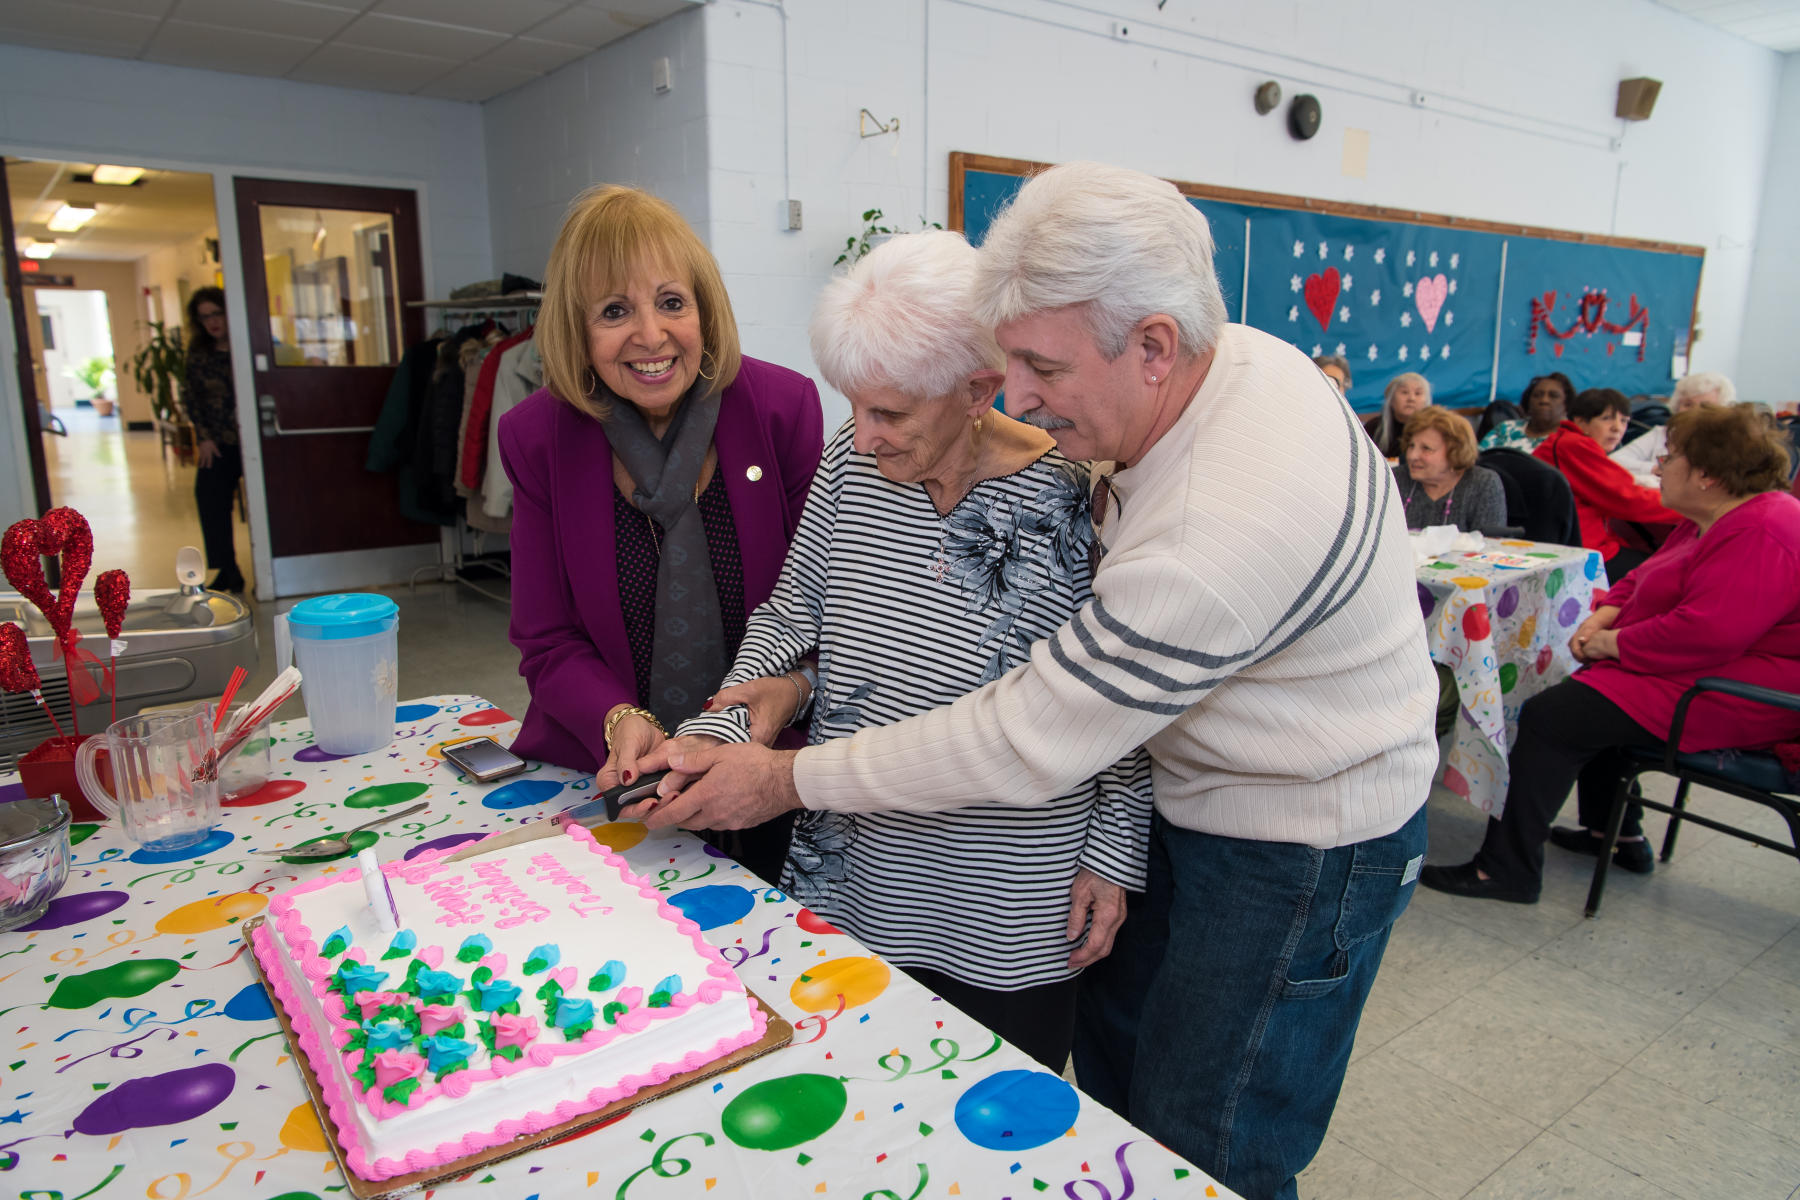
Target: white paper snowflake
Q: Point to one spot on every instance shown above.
(1324, 250)
(1406, 288)
(1444, 351)
(1454, 259)
(1405, 320)
(1293, 283)
(1453, 287)
(1433, 259)
(1345, 283)
(1317, 350)
(1340, 350)
(1449, 318)
(1373, 352)
(1349, 252)
(1344, 312)
(1424, 351)
(1299, 249)
(1411, 258)
(1403, 354)
(1293, 312)
(1380, 257)
(1375, 296)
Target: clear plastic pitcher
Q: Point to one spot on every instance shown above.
(153, 762)
(347, 649)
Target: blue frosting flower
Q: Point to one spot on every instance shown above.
(474, 947)
(357, 977)
(573, 1012)
(610, 975)
(402, 945)
(438, 983)
(442, 1050)
(495, 994)
(337, 943)
(542, 958)
(387, 1035)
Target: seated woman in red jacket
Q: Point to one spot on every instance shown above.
(1722, 597)
(1603, 489)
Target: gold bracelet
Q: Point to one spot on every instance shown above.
(628, 710)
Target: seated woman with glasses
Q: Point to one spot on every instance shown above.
(1722, 597)
(1603, 489)
(1439, 481)
(942, 540)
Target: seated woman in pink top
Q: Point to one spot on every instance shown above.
(1722, 597)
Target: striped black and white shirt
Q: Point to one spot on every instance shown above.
(1254, 624)
(908, 610)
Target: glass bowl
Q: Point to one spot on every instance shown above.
(34, 858)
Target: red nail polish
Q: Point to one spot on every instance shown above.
(625, 776)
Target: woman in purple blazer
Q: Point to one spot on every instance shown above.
(657, 479)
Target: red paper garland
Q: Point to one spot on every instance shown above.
(1590, 317)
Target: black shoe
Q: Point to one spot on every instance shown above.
(1464, 880)
(1635, 857)
(231, 580)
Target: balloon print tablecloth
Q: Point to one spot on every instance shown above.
(1500, 618)
(141, 1058)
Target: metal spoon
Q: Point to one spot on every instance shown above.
(331, 847)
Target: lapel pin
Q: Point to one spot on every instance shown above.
(753, 473)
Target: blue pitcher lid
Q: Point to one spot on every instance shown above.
(351, 614)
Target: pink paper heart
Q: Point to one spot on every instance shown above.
(1429, 295)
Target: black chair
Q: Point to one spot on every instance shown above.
(1539, 501)
(1751, 775)
(1496, 412)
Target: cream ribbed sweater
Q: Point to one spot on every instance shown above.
(1254, 625)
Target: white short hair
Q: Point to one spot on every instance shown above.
(1702, 382)
(1120, 243)
(903, 318)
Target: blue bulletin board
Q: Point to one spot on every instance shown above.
(1477, 307)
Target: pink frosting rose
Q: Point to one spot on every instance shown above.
(394, 1066)
(512, 1029)
(434, 1018)
(373, 1002)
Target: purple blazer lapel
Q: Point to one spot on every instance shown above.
(584, 509)
(757, 505)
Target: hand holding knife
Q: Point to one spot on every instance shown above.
(589, 813)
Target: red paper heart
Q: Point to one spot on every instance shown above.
(1321, 296)
(17, 672)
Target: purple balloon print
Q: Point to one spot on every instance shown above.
(167, 1099)
(443, 843)
(1508, 603)
(1427, 602)
(1569, 613)
(314, 754)
(73, 910)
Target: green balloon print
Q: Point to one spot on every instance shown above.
(1509, 675)
(384, 794)
(120, 981)
(81, 832)
(778, 1113)
(1553, 582)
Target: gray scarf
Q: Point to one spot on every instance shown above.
(688, 653)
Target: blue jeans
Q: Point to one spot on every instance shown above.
(1222, 1021)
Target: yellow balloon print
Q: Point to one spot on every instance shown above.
(857, 980)
(214, 912)
(1527, 631)
(1469, 581)
(301, 1130)
(619, 835)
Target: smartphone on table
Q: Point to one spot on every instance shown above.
(483, 759)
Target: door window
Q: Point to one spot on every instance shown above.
(329, 272)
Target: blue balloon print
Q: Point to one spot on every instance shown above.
(218, 839)
(521, 794)
(1017, 1110)
(1592, 567)
(413, 712)
(714, 905)
(250, 1004)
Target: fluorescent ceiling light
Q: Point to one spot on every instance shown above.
(39, 249)
(68, 219)
(118, 176)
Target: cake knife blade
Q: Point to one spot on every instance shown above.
(604, 807)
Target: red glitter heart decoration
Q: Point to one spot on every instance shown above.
(21, 557)
(75, 541)
(17, 672)
(112, 592)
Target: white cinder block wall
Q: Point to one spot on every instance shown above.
(1517, 123)
(598, 120)
(1769, 360)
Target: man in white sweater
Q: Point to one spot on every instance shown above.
(1255, 624)
(1641, 454)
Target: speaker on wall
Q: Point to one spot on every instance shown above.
(1303, 116)
(1637, 97)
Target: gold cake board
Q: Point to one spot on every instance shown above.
(778, 1034)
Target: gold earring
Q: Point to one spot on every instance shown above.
(706, 357)
(977, 424)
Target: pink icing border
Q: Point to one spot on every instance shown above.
(298, 936)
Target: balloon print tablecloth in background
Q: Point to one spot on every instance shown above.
(142, 1060)
(1500, 618)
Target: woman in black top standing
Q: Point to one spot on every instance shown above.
(212, 407)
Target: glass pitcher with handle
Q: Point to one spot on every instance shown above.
(154, 764)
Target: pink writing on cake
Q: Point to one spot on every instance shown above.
(547, 868)
(452, 895)
(515, 906)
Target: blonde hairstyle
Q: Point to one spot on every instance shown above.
(1453, 427)
(1740, 446)
(610, 233)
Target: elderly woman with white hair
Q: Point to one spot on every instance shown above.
(1702, 389)
(941, 540)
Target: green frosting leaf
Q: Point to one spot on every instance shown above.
(612, 1012)
(365, 1074)
(658, 1000)
(461, 1064)
(400, 1092)
(550, 993)
(574, 1033)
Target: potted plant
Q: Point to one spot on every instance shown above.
(159, 369)
(874, 233)
(97, 374)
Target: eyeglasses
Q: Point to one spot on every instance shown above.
(1663, 458)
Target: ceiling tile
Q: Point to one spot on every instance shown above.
(31, 21)
(317, 21)
(376, 70)
(476, 81)
(512, 16)
(142, 8)
(597, 22)
(533, 54)
(377, 32)
(186, 44)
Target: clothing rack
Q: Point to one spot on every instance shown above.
(455, 566)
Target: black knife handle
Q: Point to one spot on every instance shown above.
(630, 793)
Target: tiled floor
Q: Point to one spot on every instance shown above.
(1506, 1052)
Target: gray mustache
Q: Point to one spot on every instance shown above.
(1043, 418)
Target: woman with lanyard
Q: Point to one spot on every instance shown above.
(1438, 479)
